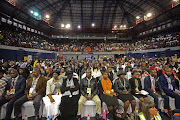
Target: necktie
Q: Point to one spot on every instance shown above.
(12, 85)
(153, 88)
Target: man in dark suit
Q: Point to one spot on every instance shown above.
(15, 86)
(167, 82)
(35, 90)
(161, 72)
(152, 86)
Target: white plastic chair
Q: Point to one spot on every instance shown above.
(51, 109)
(172, 103)
(121, 106)
(89, 107)
(160, 101)
(3, 112)
(28, 109)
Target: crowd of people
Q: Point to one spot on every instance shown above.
(65, 85)
(20, 38)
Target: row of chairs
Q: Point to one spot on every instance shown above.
(89, 108)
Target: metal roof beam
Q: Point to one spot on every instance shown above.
(92, 11)
(158, 6)
(82, 22)
(108, 14)
(59, 12)
(131, 4)
(125, 14)
(137, 6)
(34, 2)
(51, 5)
(102, 17)
(113, 15)
(70, 10)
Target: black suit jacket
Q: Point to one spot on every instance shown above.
(133, 86)
(19, 86)
(147, 85)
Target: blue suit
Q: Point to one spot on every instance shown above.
(159, 90)
(19, 92)
(164, 84)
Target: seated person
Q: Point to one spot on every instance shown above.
(149, 112)
(152, 86)
(62, 74)
(76, 69)
(70, 97)
(136, 87)
(15, 86)
(168, 85)
(122, 88)
(52, 100)
(48, 75)
(110, 74)
(108, 95)
(35, 90)
(95, 70)
(89, 89)
(3, 83)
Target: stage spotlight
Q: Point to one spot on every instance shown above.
(137, 17)
(68, 26)
(47, 16)
(149, 15)
(93, 24)
(62, 25)
(36, 14)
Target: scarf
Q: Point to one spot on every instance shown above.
(107, 85)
